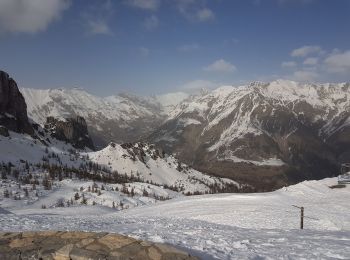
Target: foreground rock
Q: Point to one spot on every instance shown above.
(82, 245)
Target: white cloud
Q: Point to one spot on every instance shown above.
(322, 65)
(205, 14)
(305, 75)
(98, 27)
(221, 66)
(188, 47)
(151, 22)
(306, 50)
(288, 64)
(144, 51)
(145, 4)
(199, 84)
(195, 10)
(311, 61)
(29, 16)
(338, 62)
(95, 17)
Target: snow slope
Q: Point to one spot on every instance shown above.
(153, 168)
(225, 226)
(326, 208)
(96, 202)
(138, 160)
(22, 147)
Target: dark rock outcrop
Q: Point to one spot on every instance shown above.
(4, 131)
(72, 130)
(13, 108)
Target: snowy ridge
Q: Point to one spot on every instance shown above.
(171, 100)
(330, 99)
(139, 160)
(152, 165)
(61, 103)
(65, 102)
(120, 118)
(247, 110)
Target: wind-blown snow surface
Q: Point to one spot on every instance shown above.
(22, 147)
(224, 226)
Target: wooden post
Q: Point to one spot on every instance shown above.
(301, 217)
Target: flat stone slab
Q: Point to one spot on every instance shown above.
(65, 245)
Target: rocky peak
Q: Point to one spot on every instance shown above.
(72, 130)
(141, 150)
(13, 108)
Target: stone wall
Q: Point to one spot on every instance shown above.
(61, 245)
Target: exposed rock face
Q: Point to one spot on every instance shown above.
(141, 150)
(83, 246)
(265, 134)
(13, 108)
(72, 130)
(4, 131)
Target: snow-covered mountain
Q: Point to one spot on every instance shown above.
(283, 131)
(269, 134)
(63, 143)
(119, 118)
(265, 134)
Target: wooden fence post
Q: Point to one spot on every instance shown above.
(301, 217)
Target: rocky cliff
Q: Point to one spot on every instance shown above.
(72, 130)
(13, 108)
